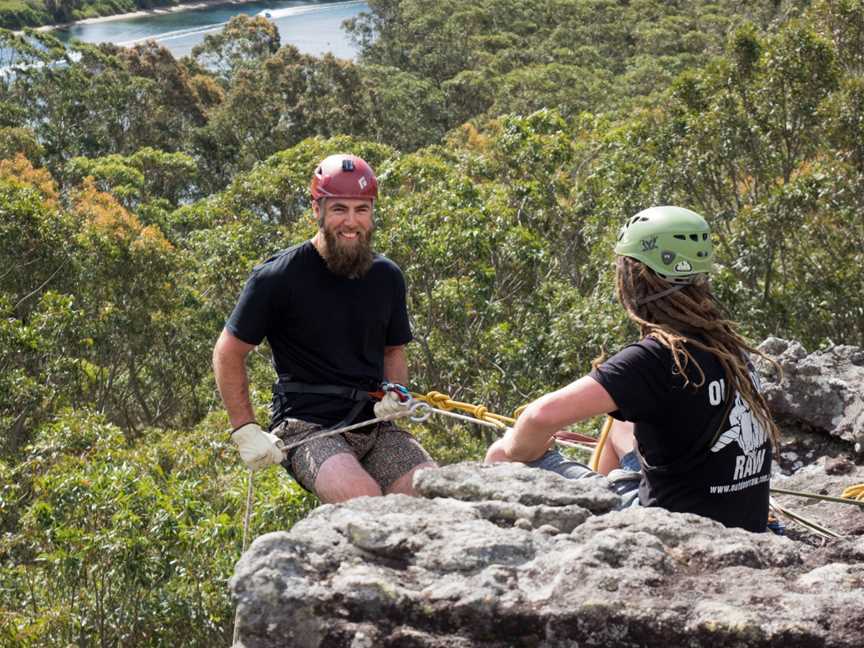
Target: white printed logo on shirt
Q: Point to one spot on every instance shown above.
(745, 430)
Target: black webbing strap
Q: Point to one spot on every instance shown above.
(359, 395)
(350, 393)
(697, 450)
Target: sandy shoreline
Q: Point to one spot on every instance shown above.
(189, 6)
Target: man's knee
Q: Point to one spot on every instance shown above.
(405, 483)
(341, 477)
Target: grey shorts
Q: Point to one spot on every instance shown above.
(384, 450)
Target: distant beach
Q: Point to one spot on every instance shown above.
(156, 11)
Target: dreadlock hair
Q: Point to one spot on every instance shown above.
(692, 315)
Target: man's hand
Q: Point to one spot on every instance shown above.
(396, 400)
(258, 448)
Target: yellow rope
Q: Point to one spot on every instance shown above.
(855, 492)
(598, 449)
(444, 402)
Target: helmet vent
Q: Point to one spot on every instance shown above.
(694, 237)
(644, 219)
(680, 237)
(705, 236)
(347, 164)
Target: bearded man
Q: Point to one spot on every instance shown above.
(335, 316)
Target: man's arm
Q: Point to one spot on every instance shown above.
(530, 436)
(396, 365)
(229, 367)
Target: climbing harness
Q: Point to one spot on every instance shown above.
(417, 412)
(285, 385)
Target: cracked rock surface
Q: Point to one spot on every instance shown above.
(506, 555)
(459, 570)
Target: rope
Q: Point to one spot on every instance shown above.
(845, 499)
(443, 403)
(805, 522)
(594, 464)
(418, 412)
(855, 492)
(246, 518)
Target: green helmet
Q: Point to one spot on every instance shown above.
(674, 242)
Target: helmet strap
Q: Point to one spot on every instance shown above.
(661, 294)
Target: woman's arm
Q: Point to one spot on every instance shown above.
(533, 431)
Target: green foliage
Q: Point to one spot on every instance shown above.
(244, 43)
(147, 175)
(492, 57)
(19, 140)
(129, 545)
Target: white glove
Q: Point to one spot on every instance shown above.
(391, 404)
(258, 448)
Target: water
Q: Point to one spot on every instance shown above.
(312, 28)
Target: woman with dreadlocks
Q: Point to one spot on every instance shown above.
(686, 391)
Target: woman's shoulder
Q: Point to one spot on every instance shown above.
(648, 350)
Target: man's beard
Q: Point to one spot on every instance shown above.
(346, 259)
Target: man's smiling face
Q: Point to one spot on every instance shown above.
(347, 226)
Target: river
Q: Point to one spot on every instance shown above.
(312, 28)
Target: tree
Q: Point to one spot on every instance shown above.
(243, 43)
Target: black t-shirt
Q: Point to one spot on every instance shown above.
(323, 329)
(674, 427)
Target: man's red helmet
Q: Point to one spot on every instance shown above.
(344, 176)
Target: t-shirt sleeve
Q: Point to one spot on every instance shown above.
(399, 328)
(250, 318)
(637, 378)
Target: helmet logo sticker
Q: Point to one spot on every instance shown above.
(667, 257)
(683, 266)
(649, 244)
(362, 182)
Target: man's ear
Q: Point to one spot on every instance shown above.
(317, 211)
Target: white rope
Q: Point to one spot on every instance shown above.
(462, 417)
(500, 426)
(246, 519)
(418, 412)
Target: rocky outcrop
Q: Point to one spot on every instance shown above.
(823, 390)
(546, 563)
(505, 555)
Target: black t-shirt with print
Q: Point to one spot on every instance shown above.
(674, 426)
(323, 329)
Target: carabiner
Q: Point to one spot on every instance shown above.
(419, 412)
